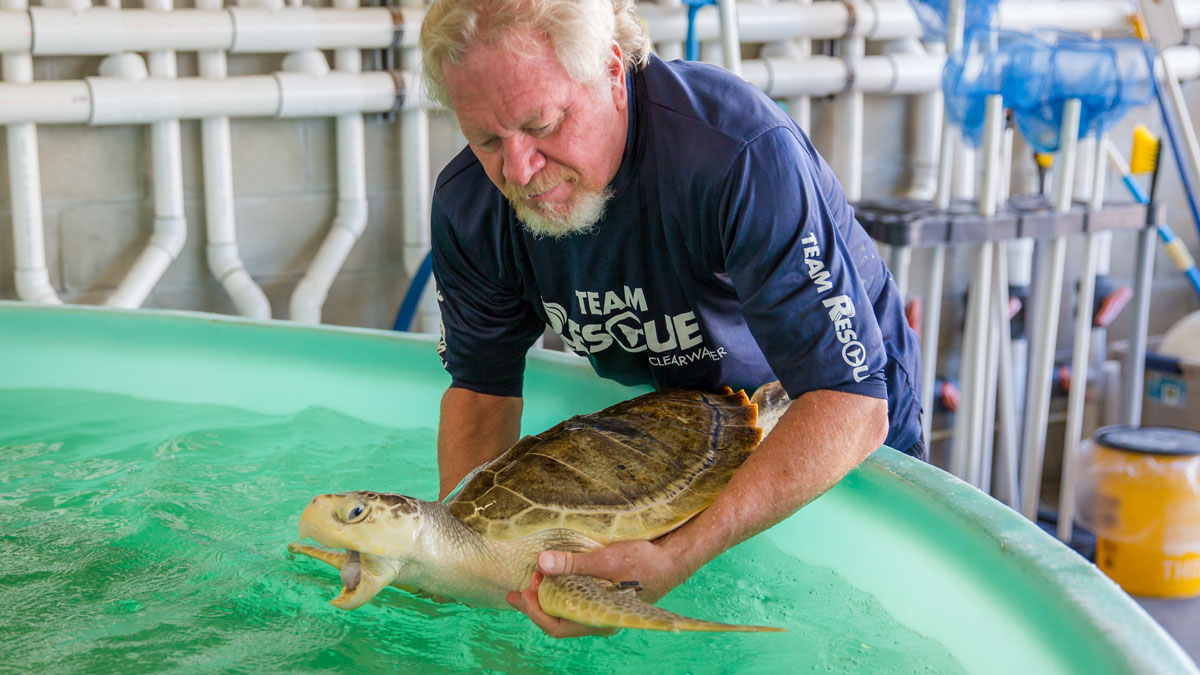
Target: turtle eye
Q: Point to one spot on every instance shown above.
(356, 512)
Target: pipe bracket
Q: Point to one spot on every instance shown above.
(398, 27)
(895, 73)
(875, 19)
(848, 63)
(851, 19)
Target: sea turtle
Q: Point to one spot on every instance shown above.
(633, 471)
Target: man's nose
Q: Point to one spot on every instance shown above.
(522, 159)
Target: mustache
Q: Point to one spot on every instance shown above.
(538, 185)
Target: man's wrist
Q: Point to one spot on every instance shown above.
(687, 553)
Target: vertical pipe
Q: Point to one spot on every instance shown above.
(930, 326)
(967, 445)
(1135, 364)
(1002, 372)
(350, 220)
(850, 125)
(731, 44)
(667, 51)
(1009, 429)
(216, 141)
(937, 262)
(926, 115)
(1000, 359)
(1079, 356)
(1050, 279)
(417, 186)
(900, 262)
(170, 226)
(801, 106)
(31, 276)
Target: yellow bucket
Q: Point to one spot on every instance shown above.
(1147, 509)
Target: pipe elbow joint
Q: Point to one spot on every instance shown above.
(34, 286)
(351, 216)
(223, 260)
(170, 234)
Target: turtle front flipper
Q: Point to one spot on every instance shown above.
(335, 558)
(603, 604)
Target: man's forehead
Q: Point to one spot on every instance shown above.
(485, 89)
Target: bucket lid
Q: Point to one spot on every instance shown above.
(1152, 440)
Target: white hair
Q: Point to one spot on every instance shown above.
(581, 32)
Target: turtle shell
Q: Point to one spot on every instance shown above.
(636, 470)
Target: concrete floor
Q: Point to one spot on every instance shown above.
(1181, 618)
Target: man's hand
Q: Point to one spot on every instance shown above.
(645, 562)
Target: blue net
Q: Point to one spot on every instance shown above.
(932, 15)
(1037, 72)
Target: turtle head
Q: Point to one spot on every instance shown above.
(376, 529)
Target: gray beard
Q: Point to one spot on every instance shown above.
(581, 219)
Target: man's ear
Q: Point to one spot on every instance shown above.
(616, 74)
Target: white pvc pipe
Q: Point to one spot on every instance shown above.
(31, 276)
(223, 258)
(964, 164)
(800, 106)
(170, 226)
(114, 100)
(731, 45)
(668, 50)
(55, 31)
(351, 218)
(966, 459)
(925, 111)
(1183, 61)
(881, 20)
(1006, 389)
(900, 264)
(1080, 356)
(937, 263)
(826, 76)
(107, 100)
(1002, 376)
(849, 129)
(1089, 17)
(417, 190)
(1049, 287)
(929, 337)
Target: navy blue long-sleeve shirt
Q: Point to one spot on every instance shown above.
(728, 255)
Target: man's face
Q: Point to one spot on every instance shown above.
(551, 144)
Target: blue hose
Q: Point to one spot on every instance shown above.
(1187, 183)
(408, 307)
(692, 44)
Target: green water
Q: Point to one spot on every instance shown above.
(143, 536)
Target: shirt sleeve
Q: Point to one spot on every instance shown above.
(487, 327)
(798, 287)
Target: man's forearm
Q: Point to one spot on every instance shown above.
(473, 428)
(822, 436)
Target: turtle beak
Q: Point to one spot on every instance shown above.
(315, 520)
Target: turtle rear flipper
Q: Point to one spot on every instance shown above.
(603, 604)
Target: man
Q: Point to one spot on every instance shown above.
(669, 222)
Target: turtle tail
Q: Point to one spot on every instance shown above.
(603, 604)
(772, 402)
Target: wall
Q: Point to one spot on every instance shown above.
(98, 208)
